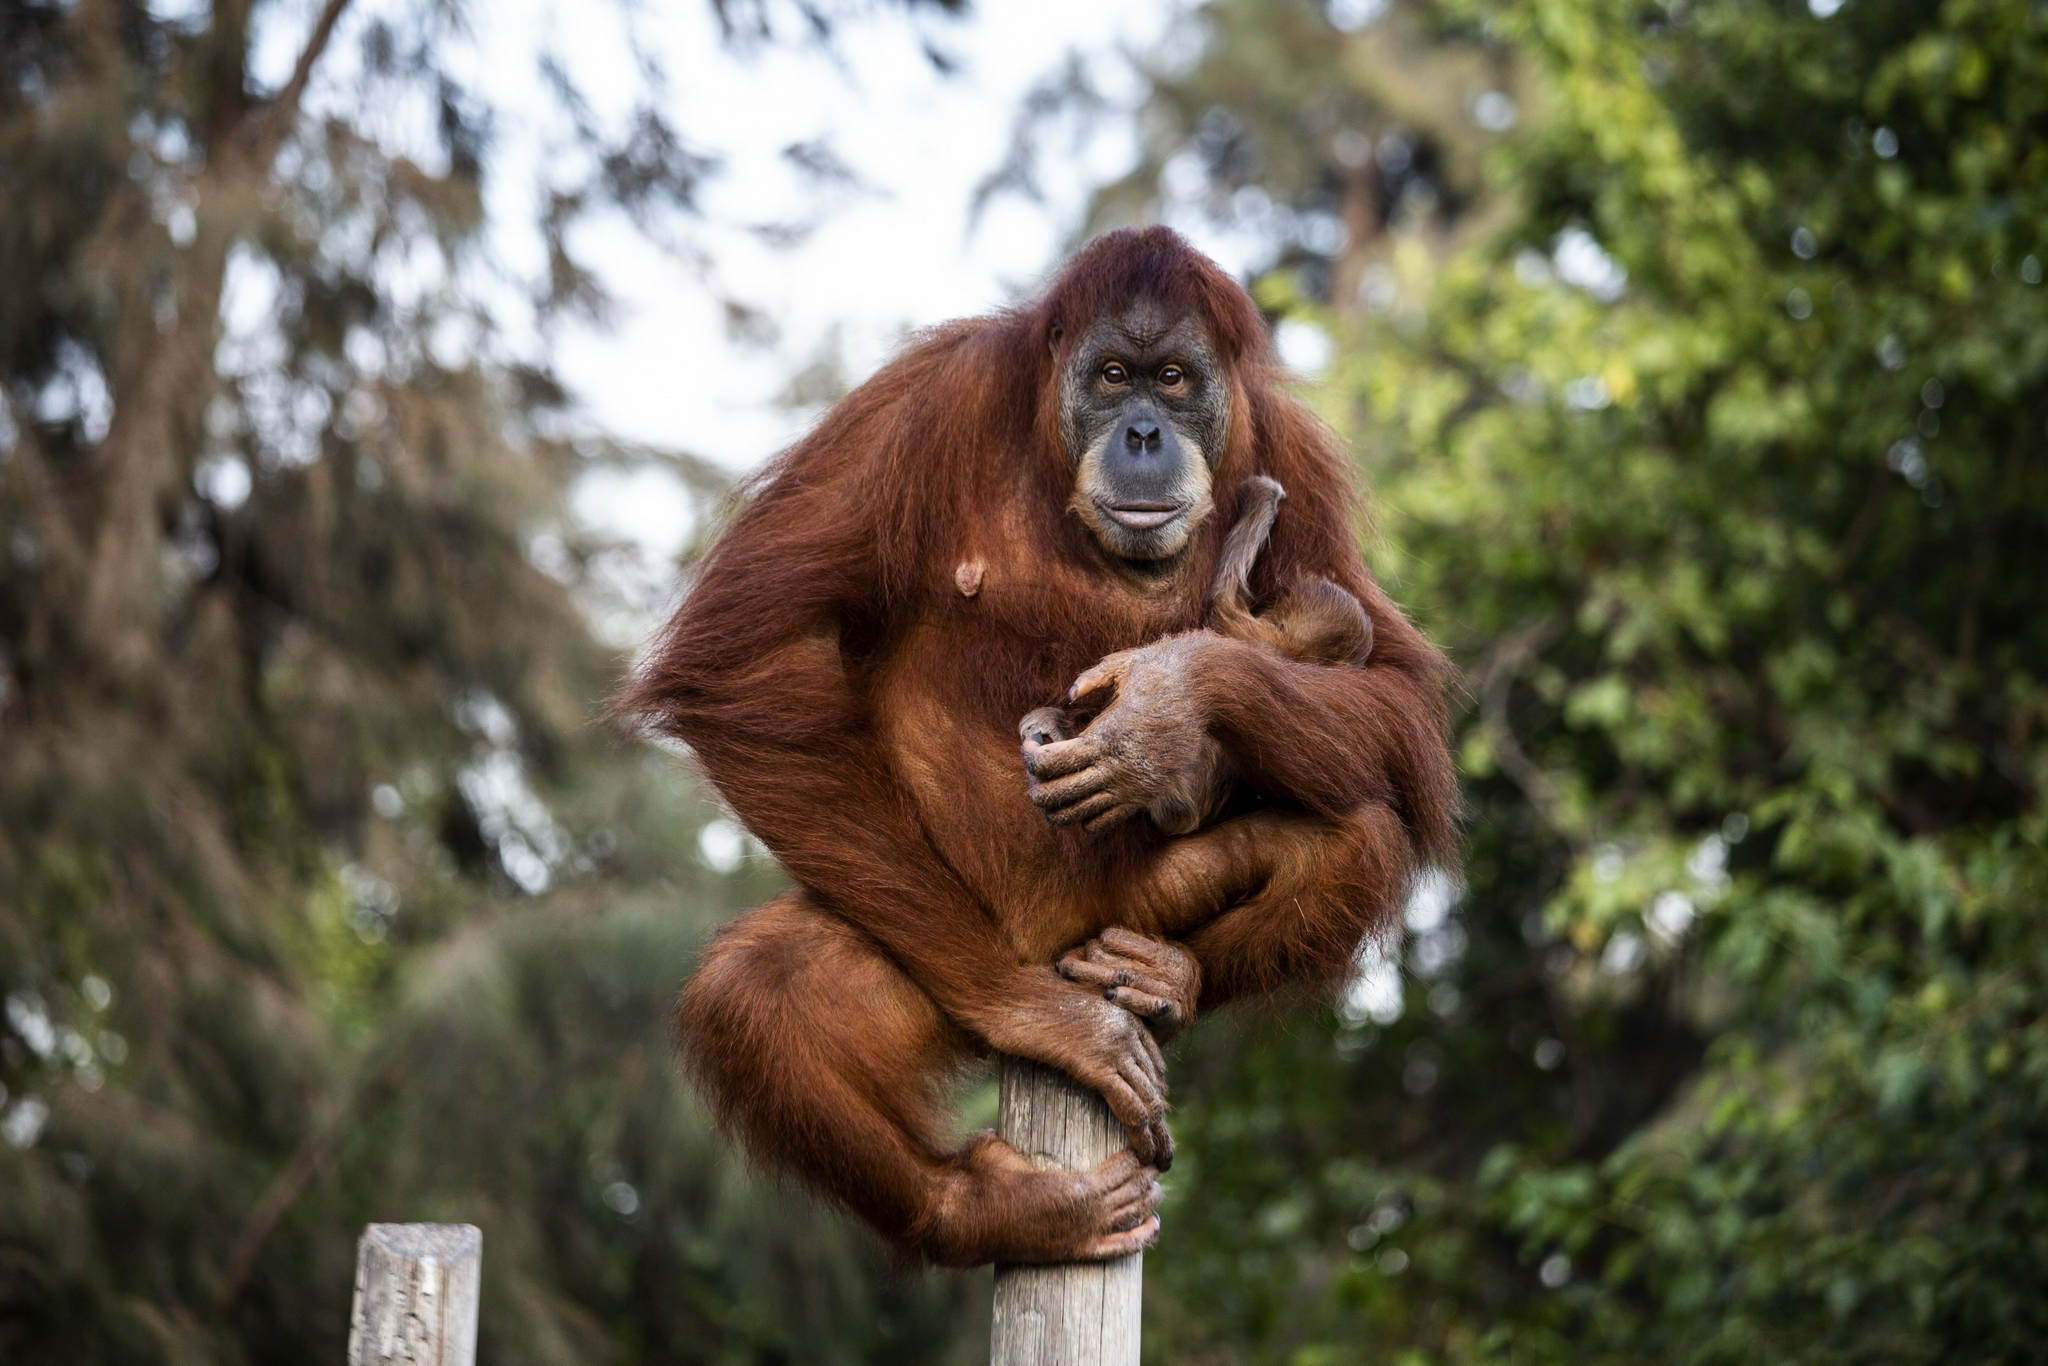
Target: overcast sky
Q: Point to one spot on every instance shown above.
(892, 253)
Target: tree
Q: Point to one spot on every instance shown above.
(1716, 466)
(321, 899)
(1329, 134)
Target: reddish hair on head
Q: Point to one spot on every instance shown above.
(1126, 265)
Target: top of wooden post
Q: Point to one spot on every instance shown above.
(417, 1287)
(445, 1243)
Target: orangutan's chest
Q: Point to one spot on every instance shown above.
(949, 738)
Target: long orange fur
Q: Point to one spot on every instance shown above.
(856, 707)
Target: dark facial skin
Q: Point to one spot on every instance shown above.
(1144, 410)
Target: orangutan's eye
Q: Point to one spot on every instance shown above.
(1113, 373)
(1171, 376)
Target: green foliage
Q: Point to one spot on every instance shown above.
(1323, 143)
(1741, 560)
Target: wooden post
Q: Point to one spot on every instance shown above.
(416, 1295)
(1086, 1313)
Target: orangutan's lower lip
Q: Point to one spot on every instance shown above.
(1144, 516)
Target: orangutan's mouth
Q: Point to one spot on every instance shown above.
(1143, 516)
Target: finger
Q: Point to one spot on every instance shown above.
(1152, 1090)
(1162, 1146)
(1134, 967)
(1113, 1245)
(1095, 974)
(1141, 1188)
(1118, 1169)
(1141, 979)
(1107, 674)
(1089, 810)
(1067, 790)
(1113, 975)
(1065, 793)
(1146, 1089)
(1131, 944)
(1130, 1112)
(1156, 1058)
(1046, 726)
(1062, 757)
(1115, 816)
(1135, 1191)
(1146, 1061)
(1144, 1004)
(1131, 1211)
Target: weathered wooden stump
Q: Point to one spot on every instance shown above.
(416, 1295)
(1086, 1313)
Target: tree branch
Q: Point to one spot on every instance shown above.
(291, 1182)
(1865, 523)
(273, 118)
(1506, 661)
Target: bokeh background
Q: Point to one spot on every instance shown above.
(371, 372)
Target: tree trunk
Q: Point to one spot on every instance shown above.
(1361, 210)
(1085, 1313)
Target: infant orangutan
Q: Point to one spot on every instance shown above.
(1314, 621)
